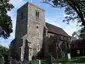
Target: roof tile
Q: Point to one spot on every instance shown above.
(55, 29)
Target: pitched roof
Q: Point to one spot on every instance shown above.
(54, 29)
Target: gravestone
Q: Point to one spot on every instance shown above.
(39, 61)
(69, 56)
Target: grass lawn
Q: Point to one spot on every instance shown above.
(78, 57)
(73, 60)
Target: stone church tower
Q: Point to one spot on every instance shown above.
(29, 31)
(34, 35)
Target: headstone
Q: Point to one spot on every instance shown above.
(69, 56)
(39, 61)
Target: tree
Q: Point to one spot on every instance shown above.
(74, 9)
(5, 20)
(4, 52)
(80, 34)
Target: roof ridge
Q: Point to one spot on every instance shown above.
(54, 25)
(56, 29)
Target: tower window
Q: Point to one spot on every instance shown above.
(22, 15)
(21, 42)
(37, 14)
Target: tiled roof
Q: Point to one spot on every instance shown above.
(55, 29)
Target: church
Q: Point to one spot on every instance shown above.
(34, 34)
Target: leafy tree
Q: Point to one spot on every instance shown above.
(4, 52)
(5, 20)
(74, 9)
(80, 34)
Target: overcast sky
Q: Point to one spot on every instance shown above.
(54, 16)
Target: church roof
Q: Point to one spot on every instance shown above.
(57, 30)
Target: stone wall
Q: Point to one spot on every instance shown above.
(35, 29)
(31, 25)
(21, 22)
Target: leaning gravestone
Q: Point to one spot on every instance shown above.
(2, 60)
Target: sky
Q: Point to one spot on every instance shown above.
(53, 16)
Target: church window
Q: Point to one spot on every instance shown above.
(21, 14)
(37, 27)
(37, 15)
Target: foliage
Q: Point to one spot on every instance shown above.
(74, 9)
(5, 20)
(3, 51)
(50, 43)
(80, 34)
